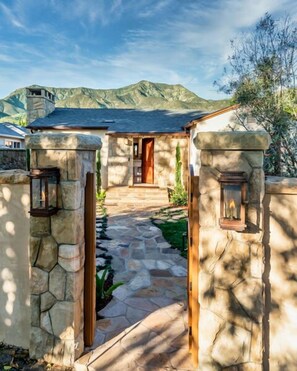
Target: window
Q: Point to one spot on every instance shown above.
(135, 150)
(11, 144)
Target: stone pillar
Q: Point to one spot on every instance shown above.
(231, 263)
(57, 249)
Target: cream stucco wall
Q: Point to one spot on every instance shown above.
(15, 311)
(280, 276)
(222, 122)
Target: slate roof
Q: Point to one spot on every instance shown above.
(10, 130)
(117, 120)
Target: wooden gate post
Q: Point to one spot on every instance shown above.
(90, 258)
(193, 267)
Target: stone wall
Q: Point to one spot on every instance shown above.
(280, 276)
(58, 249)
(165, 160)
(14, 258)
(120, 160)
(231, 263)
(12, 159)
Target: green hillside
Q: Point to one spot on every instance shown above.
(143, 94)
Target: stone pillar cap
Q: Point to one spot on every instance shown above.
(63, 141)
(281, 185)
(233, 140)
(15, 176)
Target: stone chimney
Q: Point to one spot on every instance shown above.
(40, 103)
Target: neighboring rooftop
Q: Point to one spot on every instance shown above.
(117, 120)
(10, 130)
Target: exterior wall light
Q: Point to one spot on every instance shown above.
(233, 200)
(44, 191)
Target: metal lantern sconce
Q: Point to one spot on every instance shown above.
(44, 191)
(233, 200)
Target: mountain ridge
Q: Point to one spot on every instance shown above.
(141, 95)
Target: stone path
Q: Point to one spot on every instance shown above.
(145, 325)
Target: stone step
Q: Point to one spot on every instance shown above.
(137, 195)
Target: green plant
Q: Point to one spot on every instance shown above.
(179, 196)
(98, 172)
(100, 196)
(101, 278)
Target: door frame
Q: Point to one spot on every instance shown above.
(145, 145)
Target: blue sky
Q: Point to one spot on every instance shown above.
(114, 43)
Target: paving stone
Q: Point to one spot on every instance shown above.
(138, 254)
(122, 292)
(141, 280)
(178, 271)
(154, 279)
(149, 292)
(134, 265)
(100, 261)
(169, 251)
(163, 282)
(140, 303)
(162, 301)
(114, 309)
(159, 221)
(163, 245)
(160, 273)
(108, 325)
(134, 315)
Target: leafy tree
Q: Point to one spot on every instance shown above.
(262, 79)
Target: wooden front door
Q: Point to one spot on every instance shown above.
(148, 160)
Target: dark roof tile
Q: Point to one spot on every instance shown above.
(118, 120)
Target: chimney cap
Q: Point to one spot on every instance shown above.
(40, 91)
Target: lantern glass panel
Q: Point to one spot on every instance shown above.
(52, 192)
(232, 201)
(38, 193)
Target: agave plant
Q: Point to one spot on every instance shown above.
(101, 278)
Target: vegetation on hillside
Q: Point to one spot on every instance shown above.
(144, 94)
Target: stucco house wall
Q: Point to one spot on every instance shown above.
(280, 240)
(221, 122)
(15, 313)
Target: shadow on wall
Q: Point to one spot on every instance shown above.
(14, 258)
(280, 240)
(119, 161)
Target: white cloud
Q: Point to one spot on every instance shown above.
(13, 18)
(188, 46)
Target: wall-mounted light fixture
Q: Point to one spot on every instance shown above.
(44, 191)
(233, 200)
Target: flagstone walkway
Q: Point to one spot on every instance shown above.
(145, 325)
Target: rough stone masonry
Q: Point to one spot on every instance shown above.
(231, 263)
(57, 249)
